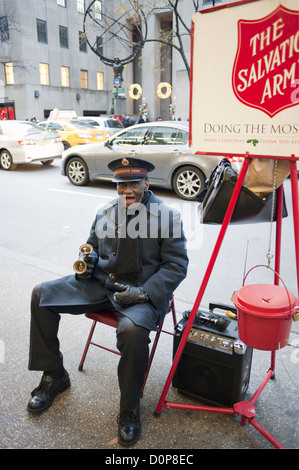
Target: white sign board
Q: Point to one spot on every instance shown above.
(244, 92)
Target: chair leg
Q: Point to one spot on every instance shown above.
(153, 350)
(172, 308)
(151, 356)
(80, 367)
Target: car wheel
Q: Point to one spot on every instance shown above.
(66, 145)
(6, 161)
(188, 182)
(77, 172)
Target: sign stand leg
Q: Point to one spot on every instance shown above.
(198, 299)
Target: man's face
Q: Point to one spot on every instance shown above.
(132, 192)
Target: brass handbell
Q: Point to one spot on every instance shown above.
(80, 265)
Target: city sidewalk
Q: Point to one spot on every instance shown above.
(84, 416)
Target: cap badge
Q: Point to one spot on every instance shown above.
(125, 162)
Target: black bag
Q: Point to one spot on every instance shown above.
(216, 197)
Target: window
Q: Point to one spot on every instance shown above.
(82, 42)
(80, 6)
(54, 126)
(114, 123)
(99, 44)
(7, 111)
(131, 137)
(98, 10)
(61, 3)
(65, 76)
(41, 27)
(210, 3)
(100, 81)
(63, 37)
(9, 76)
(182, 138)
(168, 136)
(4, 30)
(84, 78)
(44, 74)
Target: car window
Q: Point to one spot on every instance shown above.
(90, 122)
(113, 123)
(14, 128)
(55, 125)
(32, 125)
(167, 136)
(77, 125)
(182, 138)
(131, 137)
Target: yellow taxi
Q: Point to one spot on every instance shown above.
(75, 132)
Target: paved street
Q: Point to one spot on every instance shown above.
(44, 220)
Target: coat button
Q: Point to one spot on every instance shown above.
(111, 276)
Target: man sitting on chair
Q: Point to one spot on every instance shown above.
(137, 261)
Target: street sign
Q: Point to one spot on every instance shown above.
(117, 82)
(118, 90)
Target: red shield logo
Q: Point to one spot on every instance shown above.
(266, 67)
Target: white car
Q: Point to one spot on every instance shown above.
(110, 124)
(25, 142)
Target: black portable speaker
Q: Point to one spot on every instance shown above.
(215, 364)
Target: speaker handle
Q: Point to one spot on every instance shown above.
(212, 306)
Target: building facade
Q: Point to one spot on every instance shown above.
(46, 62)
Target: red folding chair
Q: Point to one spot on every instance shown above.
(108, 317)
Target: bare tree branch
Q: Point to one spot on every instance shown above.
(120, 27)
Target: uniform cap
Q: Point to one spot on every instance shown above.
(130, 169)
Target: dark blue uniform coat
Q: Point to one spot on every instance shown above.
(164, 264)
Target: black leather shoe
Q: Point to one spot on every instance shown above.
(129, 428)
(44, 394)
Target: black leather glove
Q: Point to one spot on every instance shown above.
(112, 286)
(127, 295)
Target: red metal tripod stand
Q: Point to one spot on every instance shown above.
(244, 408)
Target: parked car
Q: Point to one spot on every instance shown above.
(75, 133)
(110, 124)
(165, 144)
(25, 142)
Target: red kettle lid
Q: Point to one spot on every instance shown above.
(265, 299)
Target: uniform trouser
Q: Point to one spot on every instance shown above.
(132, 342)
